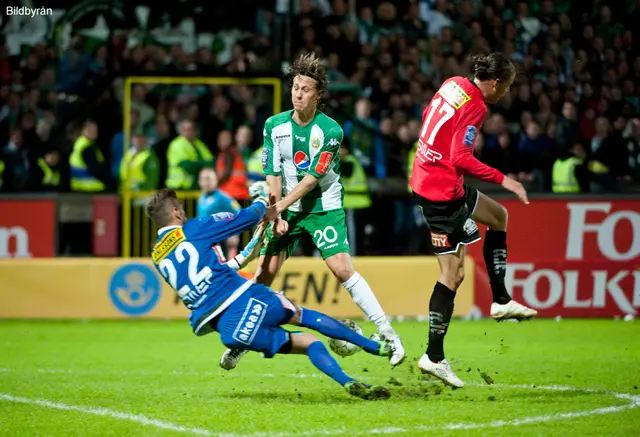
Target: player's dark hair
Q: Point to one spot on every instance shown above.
(311, 66)
(494, 66)
(160, 206)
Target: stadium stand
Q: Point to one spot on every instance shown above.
(575, 104)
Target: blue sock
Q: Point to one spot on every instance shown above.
(332, 328)
(322, 359)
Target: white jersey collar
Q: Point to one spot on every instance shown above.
(167, 228)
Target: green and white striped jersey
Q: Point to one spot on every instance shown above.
(293, 152)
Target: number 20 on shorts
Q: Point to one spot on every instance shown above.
(327, 235)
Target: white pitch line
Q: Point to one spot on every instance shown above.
(105, 412)
(634, 402)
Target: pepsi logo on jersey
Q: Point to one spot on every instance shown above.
(301, 160)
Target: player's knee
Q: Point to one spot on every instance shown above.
(343, 274)
(341, 266)
(300, 341)
(342, 271)
(501, 218)
(459, 276)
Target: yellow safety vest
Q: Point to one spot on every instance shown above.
(1, 173)
(598, 167)
(564, 177)
(181, 150)
(50, 178)
(81, 178)
(411, 157)
(356, 191)
(254, 165)
(132, 169)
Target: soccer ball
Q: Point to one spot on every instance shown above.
(344, 348)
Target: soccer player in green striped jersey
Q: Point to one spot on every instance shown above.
(302, 165)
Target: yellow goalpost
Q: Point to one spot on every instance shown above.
(137, 231)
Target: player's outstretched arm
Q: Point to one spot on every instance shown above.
(218, 227)
(462, 156)
(464, 140)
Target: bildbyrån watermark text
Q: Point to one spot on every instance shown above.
(28, 12)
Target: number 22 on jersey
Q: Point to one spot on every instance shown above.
(199, 279)
(439, 113)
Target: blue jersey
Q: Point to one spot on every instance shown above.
(213, 203)
(186, 260)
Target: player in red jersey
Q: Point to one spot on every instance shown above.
(445, 153)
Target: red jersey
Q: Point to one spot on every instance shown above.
(450, 125)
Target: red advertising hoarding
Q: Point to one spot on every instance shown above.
(105, 225)
(577, 258)
(27, 228)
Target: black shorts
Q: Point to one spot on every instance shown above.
(450, 222)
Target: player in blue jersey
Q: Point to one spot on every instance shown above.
(247, 315)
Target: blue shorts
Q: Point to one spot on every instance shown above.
(254, 321)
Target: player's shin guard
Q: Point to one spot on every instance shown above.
(322, 359)
(440, 312)
(332, 328)
(363, 296)
(495, 258)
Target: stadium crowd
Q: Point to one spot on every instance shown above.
(570, 123)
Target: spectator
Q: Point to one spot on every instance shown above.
(602, 131)
(568, 129)
(186, 156)
(146, 113)
(506, 158)
(364, 136)
(117, 143)
(213, 200)
(613, 152)
(567, 170)
(89, 171)
(633, 148)
(161, 137)
(45, 175)
(230, 168)
(16, 162)
(243, 139)
(140, 169)
(357, 200)
(75, 73)
(534, 146)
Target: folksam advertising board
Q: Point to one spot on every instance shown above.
(115, 288)
(576, 258)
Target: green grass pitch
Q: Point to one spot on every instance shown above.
(155, 378)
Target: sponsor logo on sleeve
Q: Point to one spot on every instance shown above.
(221, 216)
(265, 158)
(470, 135)
(324, 162)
